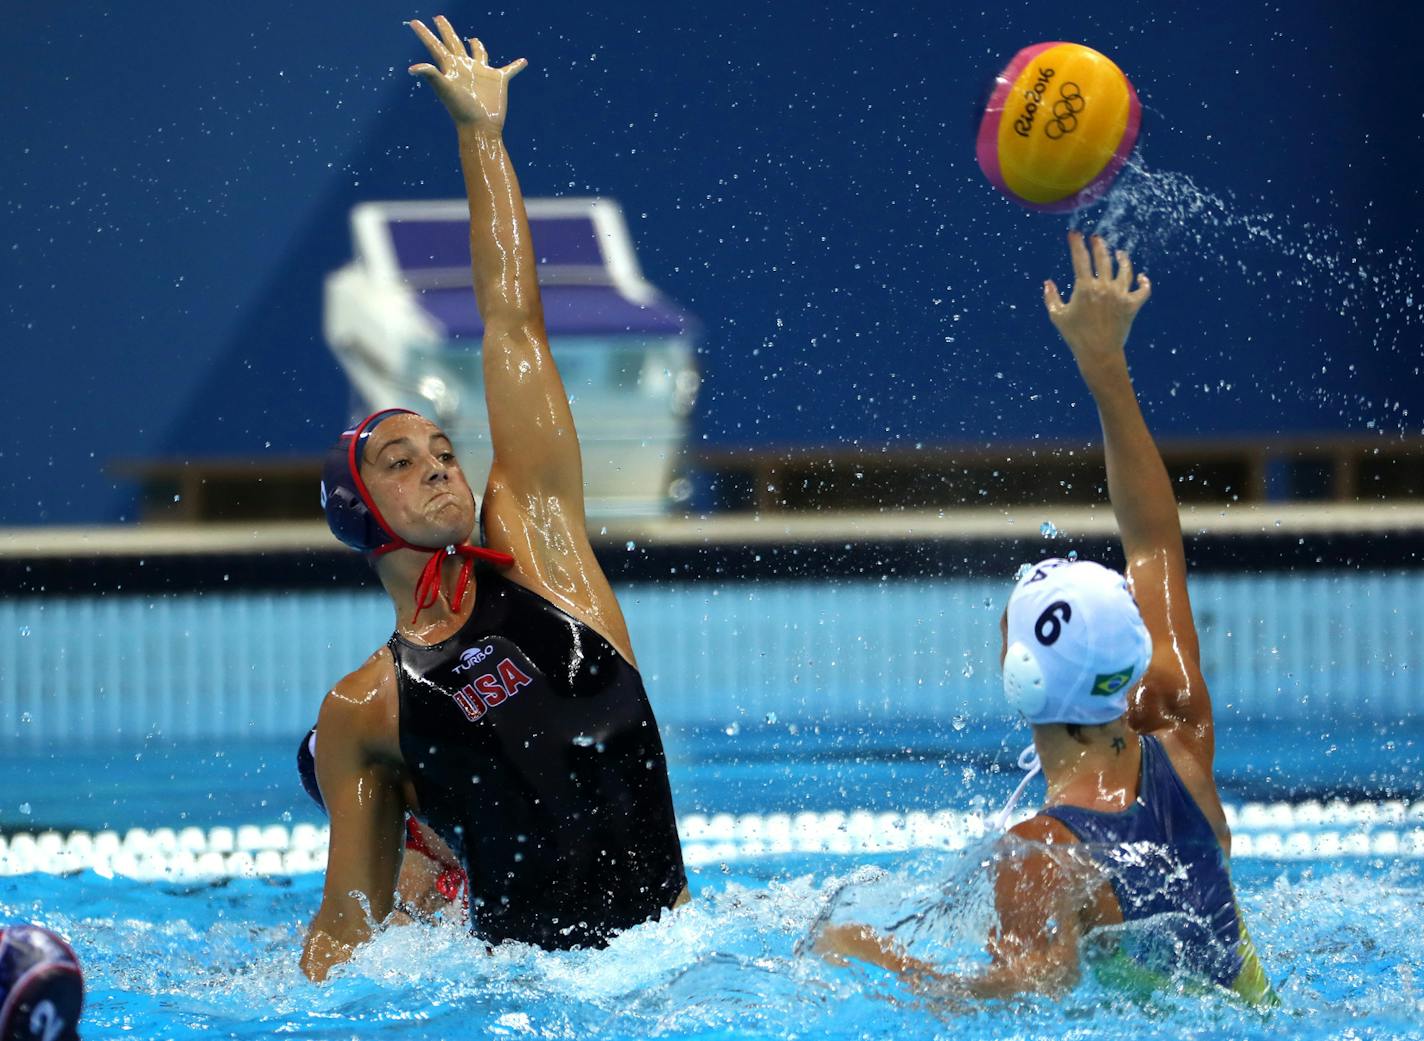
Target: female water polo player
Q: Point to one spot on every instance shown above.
(506, 710)
(1108, 672)
(41, 986)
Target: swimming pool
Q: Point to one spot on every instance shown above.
(782, 824)
(833, 747)
(1341, 941)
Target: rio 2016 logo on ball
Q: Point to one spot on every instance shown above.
(1058, 127)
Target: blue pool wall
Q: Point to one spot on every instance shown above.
(121, 669)
(857, 279)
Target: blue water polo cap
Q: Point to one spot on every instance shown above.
(350, 512)
(41, 986)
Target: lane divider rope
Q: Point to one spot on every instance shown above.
(1272, 831)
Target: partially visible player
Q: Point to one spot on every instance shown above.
(1108, 671)
(41, 986)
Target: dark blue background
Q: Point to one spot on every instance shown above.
(176, 183)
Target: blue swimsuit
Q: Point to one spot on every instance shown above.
(1162, 857)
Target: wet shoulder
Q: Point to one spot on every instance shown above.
(1055, 861)
(364, 706)
(1041, 864)
(1043, 829)
(1173, 699)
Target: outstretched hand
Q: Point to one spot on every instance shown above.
(473, 92)
(839, 943)
(1096, 319)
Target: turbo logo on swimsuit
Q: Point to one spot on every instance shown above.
(472, 657)
(491, 690)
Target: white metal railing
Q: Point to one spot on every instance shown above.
(208, 665)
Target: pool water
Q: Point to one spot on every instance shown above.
(736, 767)
(1342, 941)
(1342, 938)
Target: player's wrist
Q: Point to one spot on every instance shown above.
(1102, 370)
(478, 128)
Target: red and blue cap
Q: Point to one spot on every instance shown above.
(355, 519)
(351, 514)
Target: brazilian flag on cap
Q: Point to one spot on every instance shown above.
(1106, 686)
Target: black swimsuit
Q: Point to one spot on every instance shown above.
(536, 756)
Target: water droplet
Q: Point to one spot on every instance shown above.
(959, 722)
(1047, 530)
(24, 630)
(25, 717)
(771, 718)
(630, 546)
(1072, 554)
(733, 729)
(25, 808)
(968, 670)
(583, 741)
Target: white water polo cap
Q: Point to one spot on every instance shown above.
(1076, 643)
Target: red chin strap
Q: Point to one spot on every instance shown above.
(427, 590)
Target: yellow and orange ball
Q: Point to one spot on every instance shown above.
(1060, 124)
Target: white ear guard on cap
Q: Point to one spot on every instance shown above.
(1023, 681)
(1077, 643)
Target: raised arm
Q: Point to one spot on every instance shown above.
(534, 501)
(531, 427)
(1095, 323)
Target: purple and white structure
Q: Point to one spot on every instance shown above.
(402, 321)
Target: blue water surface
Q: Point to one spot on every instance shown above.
(737, 767)
(1342, 939)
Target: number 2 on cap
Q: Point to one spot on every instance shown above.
(1050, 624)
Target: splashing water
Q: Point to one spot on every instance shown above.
(1340, 940)
(1150, 211)
(1294, 263)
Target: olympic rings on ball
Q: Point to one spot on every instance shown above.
(1059, 126)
